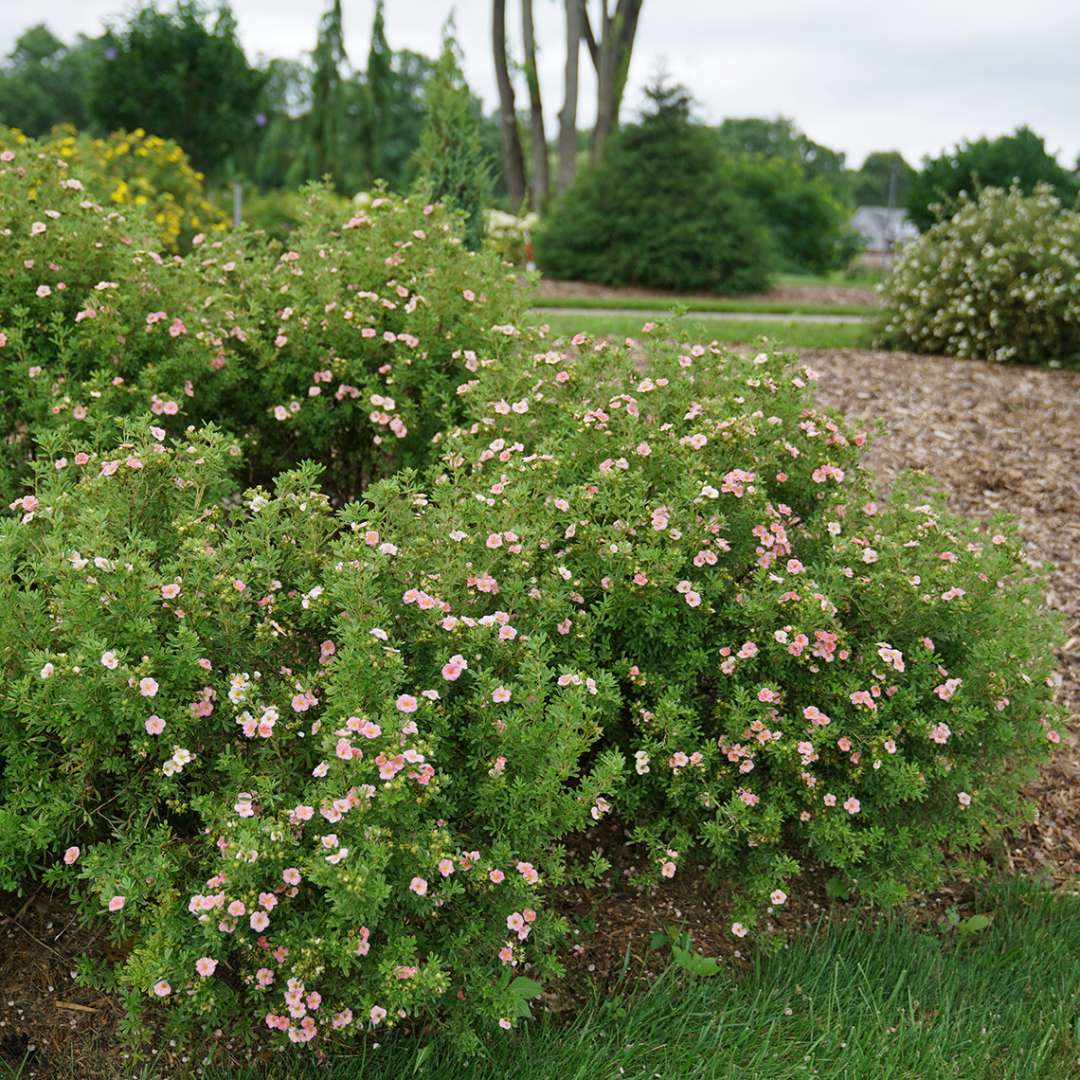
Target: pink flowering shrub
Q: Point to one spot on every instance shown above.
(306, 777)
(345, 348)
(807, 670)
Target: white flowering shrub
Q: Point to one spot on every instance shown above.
(511, 235)
(999, 280)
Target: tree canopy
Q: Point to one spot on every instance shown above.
(1021, 157)
(181, 74)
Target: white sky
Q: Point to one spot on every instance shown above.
(856, 75)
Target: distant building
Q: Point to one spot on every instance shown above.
(883, 230)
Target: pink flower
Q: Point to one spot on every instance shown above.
(852, 805)
(162, 988)
(109, 660)
(496, 876)
(692, 598)
(377, 1014)
(505, 1024)
(71, 855)
(419, 886)
(290, 875)
(406, 703)
(259, 921)
(940, 733)
(829, 799)
(778, 897)
(963, 798)
(500, 695)
(154, 725)
(668, 869)
(738, 929)
(170, 591)
(148, 687)
(205, 966)
(117, 902)
(446, 867)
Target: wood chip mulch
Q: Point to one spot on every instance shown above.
(993, 437)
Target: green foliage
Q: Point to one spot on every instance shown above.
(344, 348)
(317, 767)
(181, 76)
(806, 670)
(656, 211)
(44, 82)
(1000, 280)
(857, 996)
(324, 124)
(451, 163)
(885, 179)
(780, 139)
(1020, 158)
(810, 225)
(227, 712)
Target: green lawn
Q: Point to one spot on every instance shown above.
(797, 335)
(860, 277)
(692, 303)
(866, 999)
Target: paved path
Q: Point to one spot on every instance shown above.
(732, 316)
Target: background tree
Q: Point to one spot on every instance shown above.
(181, 75)
(541, 171)
(658, 210)
(610, 50)
(970, 166)
(811, 227)
(320, 153)
(451, 163)
(779, 137)
(380, 83)
(512, 155)
(568, 134)
(44, 82)
(884, 179)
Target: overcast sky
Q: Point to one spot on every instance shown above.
(857, 75)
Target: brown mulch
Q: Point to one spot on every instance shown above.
(993, 437)
(788, 294)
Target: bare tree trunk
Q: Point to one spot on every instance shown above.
(610, 53)
(575, 27)
(513, 157)
(541, 178)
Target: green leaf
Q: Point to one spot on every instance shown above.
(658, 940)
(525, 988)
(697, 965)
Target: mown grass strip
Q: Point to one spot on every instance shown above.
(794, 334)
(702, 304)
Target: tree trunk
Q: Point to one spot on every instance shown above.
(513, 158)
(610, 53)
(575, 27)
(541, 178)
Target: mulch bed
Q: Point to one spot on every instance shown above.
(993, 437)
(782, 294)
